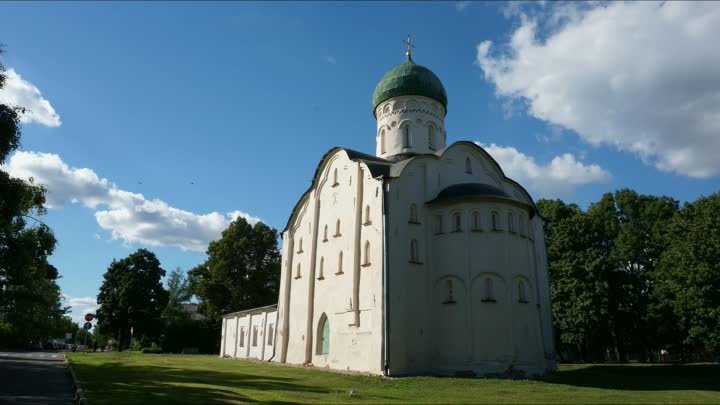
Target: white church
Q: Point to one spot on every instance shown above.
(423, 258)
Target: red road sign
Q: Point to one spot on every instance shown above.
(89, 317)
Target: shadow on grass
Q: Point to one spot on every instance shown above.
(705, 377)
(120, 383)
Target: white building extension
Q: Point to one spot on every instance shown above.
(422, 259)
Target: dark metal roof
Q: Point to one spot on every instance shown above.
(267, 308)
(469, 190)
(409, 79)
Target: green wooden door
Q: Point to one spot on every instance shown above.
(326, 337)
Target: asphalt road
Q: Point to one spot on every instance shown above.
(34, 378)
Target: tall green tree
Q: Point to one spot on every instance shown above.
(132, 295)
(242, 270)
(178, 293)
(688, 274)
(30, 299)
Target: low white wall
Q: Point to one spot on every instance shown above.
(249, 334)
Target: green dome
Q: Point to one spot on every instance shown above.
(409, 79)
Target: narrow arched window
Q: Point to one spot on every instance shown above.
(489, 295)
(254, 335)
(300, 249)
(270, 333)
(335, 178)
(414, 256)
(382, 141)
(457, 223)
(366, 262)
(521, 225)
(438, 224)
(511, 222)
(297, 273)
(325, 233)
(406, 136)
(476, 221)
(431, 137)
(337, 227)
(495, 221)
(522, 293)
(367, 215)
(340, 263)
(322, 268)
(413, 214)
(468, 165)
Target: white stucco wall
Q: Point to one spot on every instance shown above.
(428, 331)
(350, 299)
(238, 328)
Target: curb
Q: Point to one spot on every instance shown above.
(79, 398)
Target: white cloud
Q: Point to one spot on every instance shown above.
(130, 217)
(642, 77)
(557, 178)
(79, 306)
(19, 92)
(462, 5)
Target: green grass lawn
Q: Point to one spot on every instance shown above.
(131, 378)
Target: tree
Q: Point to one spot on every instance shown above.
(29, 295)
(578, 285)
(688, 274)
(132, 295)
(178, 294)
(601, 264)
(242, 270)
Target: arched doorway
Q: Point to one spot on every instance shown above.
(323, 334)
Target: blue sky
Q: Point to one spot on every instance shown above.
(192, 113)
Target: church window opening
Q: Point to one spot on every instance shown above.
(521, 220)
(367, 215)
(414, 254)
(431, 137)
(335, 178)
(323, 342)
(522, 293)
(413, 214)
(450, 299)
(322, 268)
(495, 221)
(325, 233)
(406, 135)
(438, 224)
(476, 221)
(337, 228)
(468, 165)
(242, 336)
(254, 336)
(340, 263)
(300, 250)
(366, 261)
(488, 293)
(511, 222)
(457, 222)
(270, 335)
(382, 141)
(297, 272)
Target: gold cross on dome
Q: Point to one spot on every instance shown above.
(410, 46)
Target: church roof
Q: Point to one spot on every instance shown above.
(409, 79)
(377, 165)
(469, 190)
